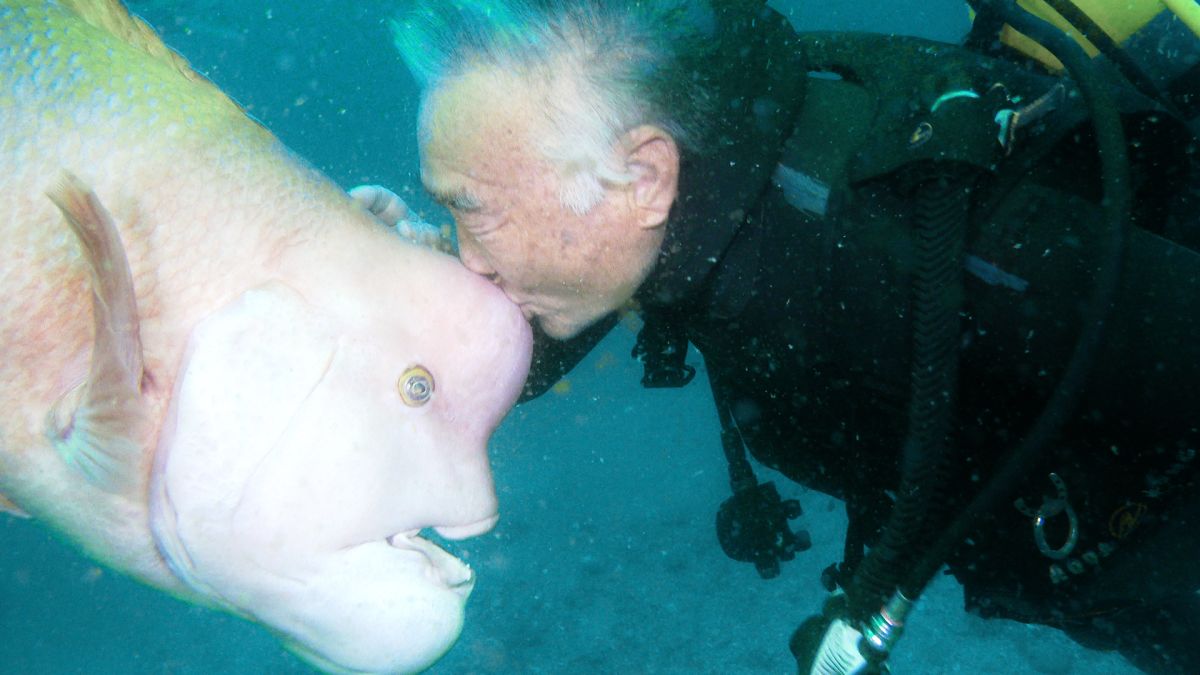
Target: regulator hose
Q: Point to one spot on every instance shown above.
(942, 207)
(1089, 29)
(1116, 205)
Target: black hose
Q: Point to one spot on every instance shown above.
(1107, 46)
(1110, 140)
(942, 209)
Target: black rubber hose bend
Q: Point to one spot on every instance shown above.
(1117, 202)
(942, 205)
(1083, 23)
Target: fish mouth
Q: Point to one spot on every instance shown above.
(443, 568)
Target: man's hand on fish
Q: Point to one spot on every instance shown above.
(389, 208)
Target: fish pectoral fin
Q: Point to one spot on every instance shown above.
(96, 438)
(100, 436)
(6, 506)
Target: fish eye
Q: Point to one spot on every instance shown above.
(416, 386)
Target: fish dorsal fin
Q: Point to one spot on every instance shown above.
(113, 17)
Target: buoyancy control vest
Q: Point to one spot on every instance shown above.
(816, 361)
(804, 312)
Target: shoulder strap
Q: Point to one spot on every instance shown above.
(931, 101)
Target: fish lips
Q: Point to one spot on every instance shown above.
(386, 606)
(444, 569)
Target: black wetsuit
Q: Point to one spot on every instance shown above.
(800, 302)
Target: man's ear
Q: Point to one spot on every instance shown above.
(652, 156)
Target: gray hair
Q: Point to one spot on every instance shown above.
(633, 62)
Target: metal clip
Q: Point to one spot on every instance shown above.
(1050, 508)
(920, 135)
(1010, 121)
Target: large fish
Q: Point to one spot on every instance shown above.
(219, 374)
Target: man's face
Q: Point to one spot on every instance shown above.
(481, 158)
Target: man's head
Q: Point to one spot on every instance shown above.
(553, 134)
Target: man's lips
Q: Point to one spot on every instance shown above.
(523, 304)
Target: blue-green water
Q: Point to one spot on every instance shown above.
(605, 558)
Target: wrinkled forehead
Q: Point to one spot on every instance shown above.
(481, 112)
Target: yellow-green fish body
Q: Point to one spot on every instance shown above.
(209, 349)
(88, 89)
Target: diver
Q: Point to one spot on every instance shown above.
(956, 286)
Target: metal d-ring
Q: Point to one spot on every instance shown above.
(1050, 508)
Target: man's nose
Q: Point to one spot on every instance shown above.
(473, 258)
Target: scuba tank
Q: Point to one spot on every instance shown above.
(1154, 43)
